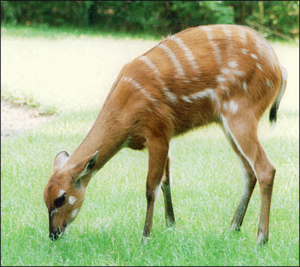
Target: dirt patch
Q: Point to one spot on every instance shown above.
(16, 120)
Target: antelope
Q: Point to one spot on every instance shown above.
(226, 74)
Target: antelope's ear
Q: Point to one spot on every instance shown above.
(60, 159)
(89, 165)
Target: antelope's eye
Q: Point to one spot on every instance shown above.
(59, 201)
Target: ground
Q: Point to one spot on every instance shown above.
(15, 120)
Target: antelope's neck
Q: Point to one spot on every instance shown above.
(106, 136)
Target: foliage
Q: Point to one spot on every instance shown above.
(280, 18)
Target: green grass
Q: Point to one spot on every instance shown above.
(206, 185)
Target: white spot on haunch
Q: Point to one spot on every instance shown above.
(233, 64)
(233, 106)
(74, 213)
(225, 71)
(269, 84)
(244, 51)
(225, 105)
(245, 86)
(238, 72)
(254, 56)
(220, 78)
(258, 65)
(72, 200)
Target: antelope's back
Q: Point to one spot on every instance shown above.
(202, 72)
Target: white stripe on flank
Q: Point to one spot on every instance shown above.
(174, 60)
(245, 86)
(211, 93)
(188, 53)
(216, 49)
(148, 62)
(139, 87)
(187, 99)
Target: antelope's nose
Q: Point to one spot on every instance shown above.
(54, 235)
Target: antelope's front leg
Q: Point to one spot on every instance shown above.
(158, 153)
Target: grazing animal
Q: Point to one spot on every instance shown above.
(226, 74)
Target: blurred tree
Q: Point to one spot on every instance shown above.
(271, 18)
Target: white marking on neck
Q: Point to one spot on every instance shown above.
(72, 200)
(74, 213)
(233, 106)
(174, 60)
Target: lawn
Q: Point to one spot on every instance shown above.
(71, 73)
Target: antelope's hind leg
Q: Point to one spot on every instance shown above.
(166, 188)
(242, 134)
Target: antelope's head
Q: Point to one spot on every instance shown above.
(65, 191)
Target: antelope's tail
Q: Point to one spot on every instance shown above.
(275, 106)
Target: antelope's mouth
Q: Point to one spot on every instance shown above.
(57, 233)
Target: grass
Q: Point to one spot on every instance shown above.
(206, 176)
